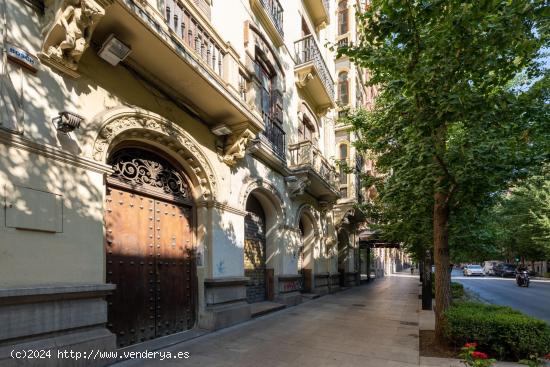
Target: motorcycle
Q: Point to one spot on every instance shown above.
(522, 278)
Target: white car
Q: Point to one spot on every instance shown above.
(470, 270)
(490, 265)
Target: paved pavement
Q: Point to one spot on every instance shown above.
(375, 325)
(534, 301)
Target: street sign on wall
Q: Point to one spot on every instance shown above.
(22, 57)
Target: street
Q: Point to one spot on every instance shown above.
(533, 301)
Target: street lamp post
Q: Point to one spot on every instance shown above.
(427, 282)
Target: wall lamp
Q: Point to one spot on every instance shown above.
(114, 50)
(66, 121)
(221, 130)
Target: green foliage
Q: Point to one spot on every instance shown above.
(448, 119)
(457, 290)
(518, 225)
(499, 331)
(471, 357)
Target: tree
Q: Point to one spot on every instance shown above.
(522, 217)
(446, 129)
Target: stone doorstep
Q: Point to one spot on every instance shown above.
(310, 296)
(262, 308)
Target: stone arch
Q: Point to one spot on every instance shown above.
(273, 206)
(307, 223)
(134, 124)
(312, 214)
(269, 195)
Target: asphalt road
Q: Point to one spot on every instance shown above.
(534, 301)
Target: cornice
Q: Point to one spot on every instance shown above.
(51, 152)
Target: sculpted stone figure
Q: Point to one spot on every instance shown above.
(237, 147)
(70, 34)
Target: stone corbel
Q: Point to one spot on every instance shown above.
(236, 146)
(296, 185)
(326, 206)
(68, 32)
(322, 110)
(303, 79)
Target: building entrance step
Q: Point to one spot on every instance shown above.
(310, 295)
(262, 308)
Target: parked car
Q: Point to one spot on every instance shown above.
(505, 270)
(489, 266)
(470, 270)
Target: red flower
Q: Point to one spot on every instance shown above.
(479, 355)
(470, 345)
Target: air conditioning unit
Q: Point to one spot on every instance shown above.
(114, 50)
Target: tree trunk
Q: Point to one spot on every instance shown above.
(441, 260)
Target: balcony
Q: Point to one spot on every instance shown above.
(270, 13)
(312, 73)
(308, 162)
(274, 136)
(319, 12)
(270, 146)
(175, 47)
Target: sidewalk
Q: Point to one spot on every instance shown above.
(374, 325)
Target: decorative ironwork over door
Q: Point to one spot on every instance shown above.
(149, 249)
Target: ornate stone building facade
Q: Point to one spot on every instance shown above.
(164, 165)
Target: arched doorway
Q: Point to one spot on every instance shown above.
(255, 251)
(343, 255)
(306, 259)
(149, 244)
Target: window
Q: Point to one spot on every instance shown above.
(306, 130)
(343, 88)
(343, 25)
(266, 88)
(343, 152)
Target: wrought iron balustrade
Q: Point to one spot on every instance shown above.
(194, 34)
(307, 51)
(305, 154)
(275, 11)
(274, 136)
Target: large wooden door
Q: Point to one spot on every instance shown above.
(175, 268)
(150, 257)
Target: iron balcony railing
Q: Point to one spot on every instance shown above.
(307, 51)
(275, 11)
(306, 154)
(274, 136)
(188, 27)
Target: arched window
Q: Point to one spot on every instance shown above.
(343, 88)
(343, 152)
(344, 155)
(343, 21)
(308, 128)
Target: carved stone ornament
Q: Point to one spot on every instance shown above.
(303, 79)
(127, 124)
(236, 146)
(69, 29)
(296, 185)
(142, 169)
